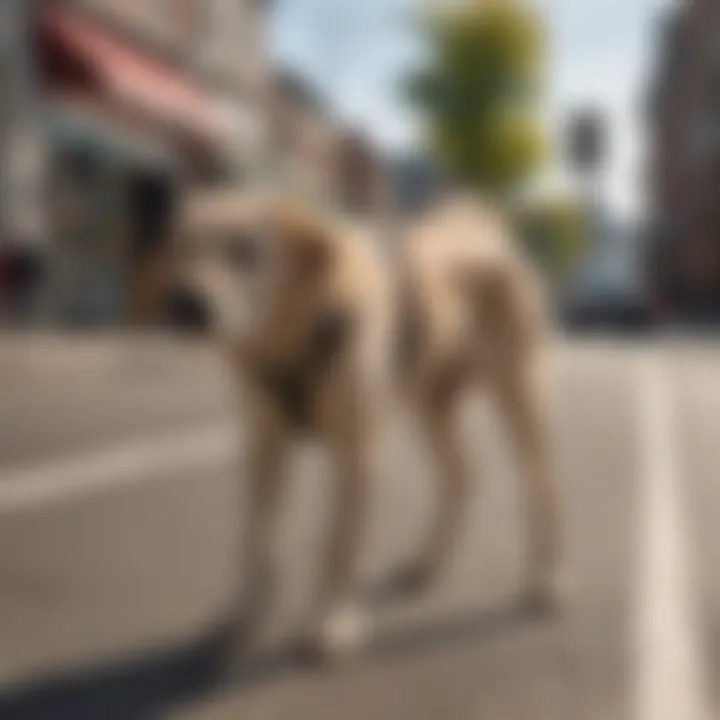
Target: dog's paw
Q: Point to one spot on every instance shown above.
(234, 644)
(338, 638)
(546, 598)
(412, 580)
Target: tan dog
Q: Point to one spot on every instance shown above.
(321, 330)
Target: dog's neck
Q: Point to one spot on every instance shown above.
(292, 380)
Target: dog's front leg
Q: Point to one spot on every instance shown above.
(266, 468)
(340, 627)
(522, 398)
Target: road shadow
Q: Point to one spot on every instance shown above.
(143, 687)
(480, 626)
(135, 688)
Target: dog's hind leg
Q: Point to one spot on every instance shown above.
(453, 478)
(520, 392)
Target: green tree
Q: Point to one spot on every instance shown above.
(555, 231)
(480, 90)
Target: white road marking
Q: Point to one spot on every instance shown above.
(118, 466)
(670, 680)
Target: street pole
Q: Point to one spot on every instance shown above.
(587, 151)
(21, 138)
(23, 165)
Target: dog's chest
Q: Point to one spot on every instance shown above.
(294, 386)
(294, 391)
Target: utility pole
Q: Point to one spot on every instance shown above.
(22, 156)
(587, 139)
(23, 166)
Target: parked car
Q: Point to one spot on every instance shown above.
(608, 291)
(607, 309)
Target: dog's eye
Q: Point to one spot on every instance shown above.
(243, 252)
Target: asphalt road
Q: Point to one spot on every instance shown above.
(120, 505)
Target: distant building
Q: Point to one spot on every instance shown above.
(417, 180)
(364, 177)
(133, 99)
(305, 136)
(684, 176)
(320, 157)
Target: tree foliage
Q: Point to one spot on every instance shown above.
(556, 232)
(480, 89)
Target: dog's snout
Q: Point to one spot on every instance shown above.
(189, 310)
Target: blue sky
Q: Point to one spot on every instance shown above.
(601, 51)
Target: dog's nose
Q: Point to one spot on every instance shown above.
(188, 310)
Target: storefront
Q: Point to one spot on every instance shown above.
(22, 169)
(122, 133)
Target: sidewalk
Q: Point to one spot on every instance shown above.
(37, 357)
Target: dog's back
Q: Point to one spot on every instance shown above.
(473, 303)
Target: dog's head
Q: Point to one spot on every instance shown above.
(246, 263)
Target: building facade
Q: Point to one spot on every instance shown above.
(324, 159)
(684, 174)
(363, 176)
(305, 137)
(135, 98)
